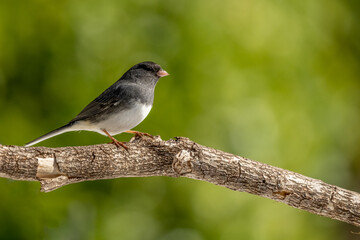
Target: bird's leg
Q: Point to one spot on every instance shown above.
(114, 141)
(139, 134)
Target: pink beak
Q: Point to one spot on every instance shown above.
(162, 73)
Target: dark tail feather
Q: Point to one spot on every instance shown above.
(58, 131)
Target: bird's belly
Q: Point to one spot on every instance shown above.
(119, 122)
(125, 120)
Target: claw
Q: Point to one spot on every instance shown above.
(116, 142)
(140, 134)
(120, 144)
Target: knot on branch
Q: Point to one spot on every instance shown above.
(48, 168)
(182, 162)
(50, 184)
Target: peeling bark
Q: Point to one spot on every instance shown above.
(56, 167)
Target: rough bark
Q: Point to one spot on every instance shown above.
(56, 167)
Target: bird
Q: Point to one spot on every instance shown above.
(120, 108)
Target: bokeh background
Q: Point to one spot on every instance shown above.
(274, 81)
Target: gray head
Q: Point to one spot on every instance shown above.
(144, 73)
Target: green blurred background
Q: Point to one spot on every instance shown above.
(274, 81)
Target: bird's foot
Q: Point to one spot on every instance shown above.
(115, 142)
(140, 134)
(119, 144)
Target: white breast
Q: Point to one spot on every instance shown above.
(118, 122)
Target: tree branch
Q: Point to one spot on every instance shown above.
(56, 167)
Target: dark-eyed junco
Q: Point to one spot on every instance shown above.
(119, 108)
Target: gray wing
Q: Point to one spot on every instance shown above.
(115, 98)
